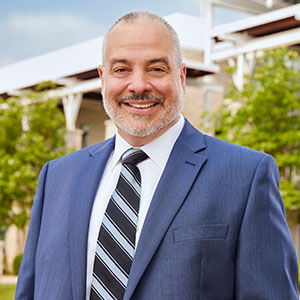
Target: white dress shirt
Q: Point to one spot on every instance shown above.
(151, 170)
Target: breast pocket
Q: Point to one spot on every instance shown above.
(200, 232)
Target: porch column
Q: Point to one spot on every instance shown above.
(71, 105)
(206, 13)
(244, 64)
(110, 128)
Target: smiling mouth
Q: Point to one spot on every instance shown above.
(141, 105)
(141, 101)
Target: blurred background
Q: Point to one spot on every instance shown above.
(243, 86)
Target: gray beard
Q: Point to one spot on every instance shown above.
(171, 113)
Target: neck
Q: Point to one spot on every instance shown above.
(137, 141)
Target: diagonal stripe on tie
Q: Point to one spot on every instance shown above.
(122, 204)
(128, 193)
(124, 224)
(117, 236)
(116, 240)
(117, 253)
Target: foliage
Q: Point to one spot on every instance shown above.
(265, 116)
(7, 291)
(30, 135)
(17, 264)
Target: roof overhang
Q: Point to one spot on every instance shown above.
(291, 37)
(65, 62)
(199, 69)
(251, 6)
(271, 22)
(270, 30)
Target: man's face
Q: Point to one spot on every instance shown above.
(142, 84)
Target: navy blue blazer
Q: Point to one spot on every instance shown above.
(215, 229)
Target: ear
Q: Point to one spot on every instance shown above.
(101, 73)
(183, 75)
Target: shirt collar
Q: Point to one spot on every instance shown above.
(158, 150)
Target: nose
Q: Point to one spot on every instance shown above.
(139, 83)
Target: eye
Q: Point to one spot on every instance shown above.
(120, 70)
(158, 70)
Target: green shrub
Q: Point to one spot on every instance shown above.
(17, 263)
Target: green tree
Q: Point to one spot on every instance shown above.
(265, 116)
(30, 135)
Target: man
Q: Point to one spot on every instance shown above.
(210, 221)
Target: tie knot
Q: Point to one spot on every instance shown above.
(134, 156)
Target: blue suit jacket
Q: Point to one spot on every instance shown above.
(215, 229)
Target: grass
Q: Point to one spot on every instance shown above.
(7, 291)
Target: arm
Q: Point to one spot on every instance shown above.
(25, 286)
(266, 263)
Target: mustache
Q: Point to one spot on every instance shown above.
(142, 96)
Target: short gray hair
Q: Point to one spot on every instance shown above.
(140, 15)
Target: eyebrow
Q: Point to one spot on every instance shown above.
(115, 61)
(151, 61)
(161, 60)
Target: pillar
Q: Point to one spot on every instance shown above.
(110, 128)
(71, 105)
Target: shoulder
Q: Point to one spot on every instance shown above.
(222, 152)
(78, 156)
(221, 147)
(237, 158)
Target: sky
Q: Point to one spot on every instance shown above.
(32, 27)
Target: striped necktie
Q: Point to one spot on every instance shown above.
(116, 240)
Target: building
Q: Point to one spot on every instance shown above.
(74, 70)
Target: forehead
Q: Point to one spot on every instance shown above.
(140, 36)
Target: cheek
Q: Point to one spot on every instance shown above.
(165, 88)
(113, 89)
(172, 92)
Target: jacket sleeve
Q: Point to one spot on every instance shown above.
(25, 285)
(266, 262)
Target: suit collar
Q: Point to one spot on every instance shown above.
(86, 178)
(101, 147)
(191, 138)
(181, 171)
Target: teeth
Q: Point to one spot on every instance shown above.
(142, 105)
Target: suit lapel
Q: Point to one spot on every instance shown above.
(86, 181)
(178, 177)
